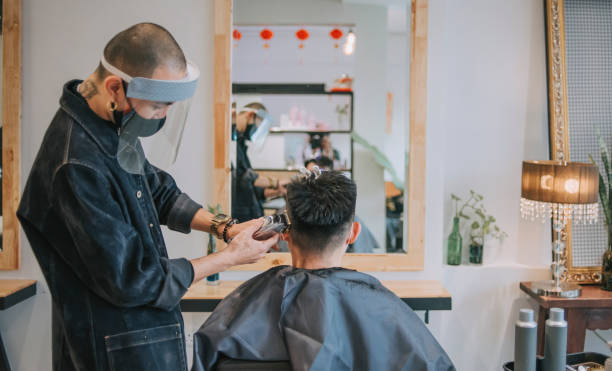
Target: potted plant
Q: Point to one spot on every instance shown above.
(482, 226)
(605, 196)
(213, 279)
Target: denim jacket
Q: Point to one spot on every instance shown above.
(95, 231)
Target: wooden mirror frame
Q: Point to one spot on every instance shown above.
(559, 126)
(414, 212)
(10, 257)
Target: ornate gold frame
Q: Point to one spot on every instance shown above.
(558, 123)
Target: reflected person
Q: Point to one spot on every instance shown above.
(249, 189)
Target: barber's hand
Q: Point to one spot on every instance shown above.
(243, 249)
(235, 229)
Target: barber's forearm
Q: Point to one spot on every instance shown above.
(202, 221)
(265, 182)
(271, 192)
(209, 264)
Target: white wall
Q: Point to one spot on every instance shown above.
(486, 113)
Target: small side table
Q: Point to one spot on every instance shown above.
(592, 310)
(11, 293)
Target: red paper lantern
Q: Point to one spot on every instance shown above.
(336, 33)
(302, 34)
(266, 34)
(237, 35)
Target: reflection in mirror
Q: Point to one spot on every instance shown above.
(334, 92)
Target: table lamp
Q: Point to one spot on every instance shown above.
(561, 191)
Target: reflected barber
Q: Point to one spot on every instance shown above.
(96, 197)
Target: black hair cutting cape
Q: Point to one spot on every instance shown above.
(326, 319)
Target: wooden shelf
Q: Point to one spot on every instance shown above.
(289, 131)
(15, 291)
(419, 295)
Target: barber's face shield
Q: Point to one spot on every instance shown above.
(258, 136)
(158, 115)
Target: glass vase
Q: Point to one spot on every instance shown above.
(213, 279)
(455, 242)
(606, 269)
(476, 253)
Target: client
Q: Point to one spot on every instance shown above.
(315, 314)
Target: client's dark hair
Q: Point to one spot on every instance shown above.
(321, 210)
(325, 162)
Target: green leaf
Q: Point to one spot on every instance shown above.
(475, 225)
(455, 197)
(605, 202)
(480, 214)
(462, 215)
(215, 209)
(603, 148)
(496, 228)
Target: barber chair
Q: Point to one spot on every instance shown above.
(228, 364)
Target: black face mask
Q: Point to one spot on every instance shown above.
(250, 129)
(248, 132)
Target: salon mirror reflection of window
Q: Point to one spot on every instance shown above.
(310, 88)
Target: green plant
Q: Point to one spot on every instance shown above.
(212, 243)
(605, 193)
(483, 225)
(215, 209)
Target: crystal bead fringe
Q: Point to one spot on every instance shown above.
(583, 213)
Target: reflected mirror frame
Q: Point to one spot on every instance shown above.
(10, 257)
(413, 260)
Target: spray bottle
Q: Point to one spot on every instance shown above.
(525, 341)
(555, 346)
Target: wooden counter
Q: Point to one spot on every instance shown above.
(15, 291)
(419, 295)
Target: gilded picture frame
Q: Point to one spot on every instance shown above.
(561, 136)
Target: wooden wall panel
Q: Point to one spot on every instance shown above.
(11, 132)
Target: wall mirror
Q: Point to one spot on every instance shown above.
(334, 77)
(10, 133)
(580, 87)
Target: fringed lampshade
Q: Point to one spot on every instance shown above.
(561, 191)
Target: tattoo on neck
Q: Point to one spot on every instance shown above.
(87, 89)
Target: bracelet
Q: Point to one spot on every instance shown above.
(226, 228)
(216, 222)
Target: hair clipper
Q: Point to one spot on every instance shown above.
(273, 224)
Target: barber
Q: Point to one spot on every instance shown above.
(93, 205)
(249, 190)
